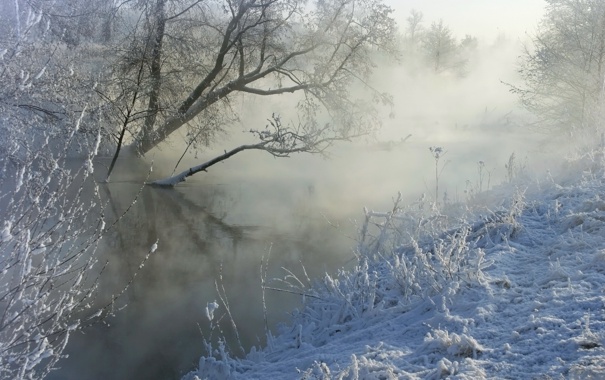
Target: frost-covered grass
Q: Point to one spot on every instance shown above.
(466, 292)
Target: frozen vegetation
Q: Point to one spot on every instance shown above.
(505, 285)
(508, 286)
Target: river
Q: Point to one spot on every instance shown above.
(215, 230)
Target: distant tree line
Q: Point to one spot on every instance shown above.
(435, 47)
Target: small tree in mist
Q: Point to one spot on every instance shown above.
(413, 32)
(435, 47)
(441, 49)
(196, 56)
(468, 48)
(564, 66)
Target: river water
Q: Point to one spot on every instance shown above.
(215, 230)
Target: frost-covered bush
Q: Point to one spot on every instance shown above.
(45, 82)
(454, 345)
(51, 222)
(404, 256)
(388, 274)
(409, 256)
(51, 219)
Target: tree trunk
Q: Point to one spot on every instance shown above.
(172, 181)
(107, 25)
(156, 69)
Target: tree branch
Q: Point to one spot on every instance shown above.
(275, 139)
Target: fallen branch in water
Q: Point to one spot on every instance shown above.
(276, 139)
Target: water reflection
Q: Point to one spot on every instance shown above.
(205, 230)
(225, 221)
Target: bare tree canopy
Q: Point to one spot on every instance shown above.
(197, 55)
(564, 66)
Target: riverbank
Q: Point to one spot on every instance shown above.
(509, 291)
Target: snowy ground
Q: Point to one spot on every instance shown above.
(510, 291)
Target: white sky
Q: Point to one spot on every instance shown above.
(484, 19)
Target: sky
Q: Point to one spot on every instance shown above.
(484, 19)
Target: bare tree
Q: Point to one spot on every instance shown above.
(564, 66)
(441, 49)
(211, 51)
(414, 32)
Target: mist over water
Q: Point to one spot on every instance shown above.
(219, 226)
(211, 233)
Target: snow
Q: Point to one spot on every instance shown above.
(171, 181)
(5, 233)
(154, 246)
(506, 294)
(89, 166)
(210, 309)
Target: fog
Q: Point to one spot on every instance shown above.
(485, 20)
(473, 118)
(303, 210)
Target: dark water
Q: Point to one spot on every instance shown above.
(211, 232)
(218, 227)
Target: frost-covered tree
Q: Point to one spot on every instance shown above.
(198, 55)
(469, 44)
(50, 226)
(441, 49)
(563, 68)
(413, 32)
(435, 48)
(50, 217)
(45, 81)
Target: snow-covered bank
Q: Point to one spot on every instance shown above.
(503, 293)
